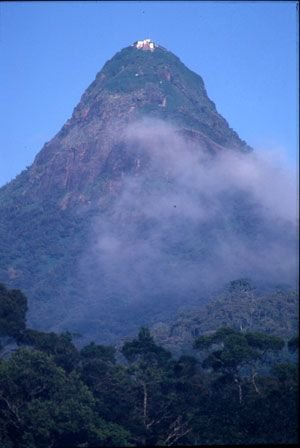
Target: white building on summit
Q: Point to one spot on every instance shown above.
(146, 44)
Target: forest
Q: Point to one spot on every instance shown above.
(241, 387)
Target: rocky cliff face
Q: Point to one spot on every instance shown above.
(133, 84)
(136, 206)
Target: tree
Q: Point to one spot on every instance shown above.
(230, 350)
(241, 285)
(109, 383)
(293, 344)
(42, 406)
(156, 416)
(60, 346)
(13, 308)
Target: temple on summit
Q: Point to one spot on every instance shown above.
(146, 44)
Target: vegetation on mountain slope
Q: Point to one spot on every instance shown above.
(167, 89)
(240, 306)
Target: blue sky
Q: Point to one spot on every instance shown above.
(246, 53)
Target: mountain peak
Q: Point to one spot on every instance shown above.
(153, 81)
(143, 80)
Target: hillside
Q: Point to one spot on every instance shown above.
(144, 200)
(239, 306)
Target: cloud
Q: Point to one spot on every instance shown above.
(183, 222)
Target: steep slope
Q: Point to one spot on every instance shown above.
(124, 213)
(133, 84)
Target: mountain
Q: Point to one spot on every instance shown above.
(133, 84)
(137, 205)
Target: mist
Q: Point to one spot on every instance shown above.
(182, 222)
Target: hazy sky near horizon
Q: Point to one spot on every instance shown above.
(246, 53)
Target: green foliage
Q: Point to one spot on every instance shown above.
(32, 257)
(264, 342)
(98, 352)
(13, 308)
(293, 344)
(145, 349)
(45, 407)
(240, 307)
(158, 409)
(52, 395)
(286, 372)
(60, 347)
(240, 285)
(133, 71)
(232, 349)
